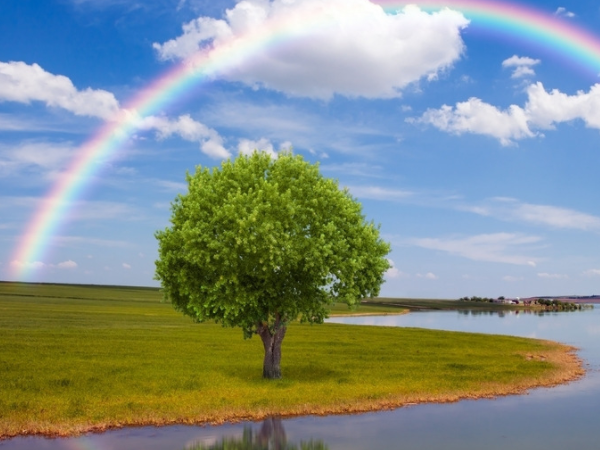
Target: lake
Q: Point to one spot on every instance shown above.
(562, 417)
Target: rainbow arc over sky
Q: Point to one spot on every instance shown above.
(513, 20)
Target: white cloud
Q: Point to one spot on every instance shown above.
(556, 217)
(67, 264)
(276, 120)
(24, 83)
(553, 216)
(522, 65)
(592, 273)
(40, 265)
(379, 193)
(553, 276)
(543, 110)
(247, 147)
(497, 247)
(502, 208)
(167, 185)
(13, 122)
(287, 123)
(211, 143)
(427, 276)
(355, 60)
(27, 265)
(394, 272)
(561, 11)
(126, 266)
(477, 117)
(34, 155)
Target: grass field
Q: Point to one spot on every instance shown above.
(81, 358)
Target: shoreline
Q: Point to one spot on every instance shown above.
(400, 313)
(569, 368)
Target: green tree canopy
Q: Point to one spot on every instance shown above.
(260, 242)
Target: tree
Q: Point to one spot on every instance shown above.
(259, 242)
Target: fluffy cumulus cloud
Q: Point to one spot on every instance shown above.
(67, 265)
(546, 109)
(496, 247)
(543, 111)
(522, 66)
(248, 146)
(211, 143)
(24, 83)
(478, 117)
(427, 276)
(324, 47)
(394, 272)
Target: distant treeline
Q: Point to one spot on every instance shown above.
(479, 299)
(557, 305)
(546, 303)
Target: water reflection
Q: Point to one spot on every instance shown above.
(524, 312)
(271, 436)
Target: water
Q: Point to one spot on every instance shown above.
(562, 417)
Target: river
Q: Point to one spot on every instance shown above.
(562, 417)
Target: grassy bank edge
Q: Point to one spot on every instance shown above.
(568, 367)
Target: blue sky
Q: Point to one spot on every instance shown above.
(476, 152)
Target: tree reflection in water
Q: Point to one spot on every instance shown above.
(270, 437)
(516, 312)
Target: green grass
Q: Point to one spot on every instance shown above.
(341, 309)
(77, 358)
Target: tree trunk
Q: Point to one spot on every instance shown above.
(272, 434)
(272, 344)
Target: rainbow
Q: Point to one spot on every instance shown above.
(541, 29)
(510, 19)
